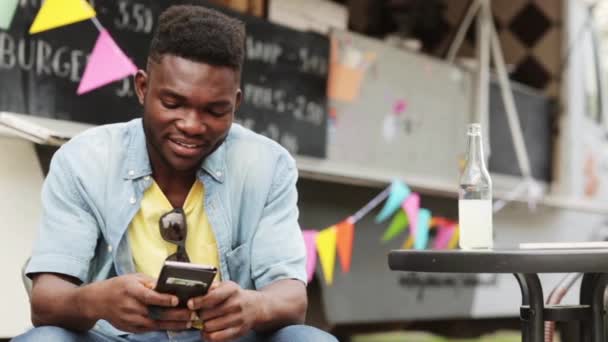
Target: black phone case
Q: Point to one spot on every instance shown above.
(184, 282)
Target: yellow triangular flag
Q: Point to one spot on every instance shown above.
(326, 247)
(453, 244)
(56, 13)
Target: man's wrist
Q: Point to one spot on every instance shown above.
(261, 309)
(85, 302)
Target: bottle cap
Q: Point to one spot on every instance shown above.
(474, 129)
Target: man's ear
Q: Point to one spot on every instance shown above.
(141, 85)
(239, 97)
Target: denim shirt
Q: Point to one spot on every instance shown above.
(96, 182)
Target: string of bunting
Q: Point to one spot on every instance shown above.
(404, 208)
(106, 64)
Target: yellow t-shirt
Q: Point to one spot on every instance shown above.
(148, 247)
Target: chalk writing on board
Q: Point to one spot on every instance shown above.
(271, 52)
(422, 282)
(41, 57)
(134, 16)
(300, 108)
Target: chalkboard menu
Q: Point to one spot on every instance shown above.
(284, 76)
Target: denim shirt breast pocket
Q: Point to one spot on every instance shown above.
(239, 265)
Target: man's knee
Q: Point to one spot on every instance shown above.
(301, 333)
(50, 334)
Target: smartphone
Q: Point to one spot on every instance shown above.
(185, 280)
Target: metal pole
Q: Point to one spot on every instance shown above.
(532, 297)
(510, 108)
(484, 20)
(462, 30)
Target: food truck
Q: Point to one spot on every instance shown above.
(359, 115)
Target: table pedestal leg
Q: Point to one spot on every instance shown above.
(592, 294)
(532, 324)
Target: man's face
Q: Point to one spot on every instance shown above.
(188, 110)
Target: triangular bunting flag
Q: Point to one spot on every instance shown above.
(311, 252)
(7, 11)
(398, 225)
(399, 192)
(421, 239)
(440, 221)
(454, 240)
(346, 234)
(411, 207)
(409, 242)
(56, 13)
(107, 64)
(443, 237)
(326, 247)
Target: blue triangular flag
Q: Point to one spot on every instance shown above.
(399, 192)
(422, 229)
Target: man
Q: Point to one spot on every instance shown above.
(100, 246)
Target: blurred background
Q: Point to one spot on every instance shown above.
(367, 95)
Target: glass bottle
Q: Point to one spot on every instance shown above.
(475, 196)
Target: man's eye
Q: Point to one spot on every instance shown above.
(170, 105)
(219, 112)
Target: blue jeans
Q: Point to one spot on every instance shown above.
(292, 333)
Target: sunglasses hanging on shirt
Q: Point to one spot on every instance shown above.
(173, 229)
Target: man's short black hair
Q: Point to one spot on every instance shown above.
(199, 34)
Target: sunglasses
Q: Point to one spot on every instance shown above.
(173, 229)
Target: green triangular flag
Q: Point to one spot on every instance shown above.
(398, 225)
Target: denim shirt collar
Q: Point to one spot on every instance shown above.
(215, 163)
(138, 162)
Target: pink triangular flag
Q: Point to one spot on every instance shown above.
(311, 252)
(444, 235)
(106, 64)
(411, 206)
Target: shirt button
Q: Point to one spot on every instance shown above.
(219, 174)
(110, 248)
(131, 172)
(132, 200)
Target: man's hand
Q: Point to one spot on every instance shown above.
(227, 311)
(123, 301)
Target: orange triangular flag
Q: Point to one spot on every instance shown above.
(326, 247)
(346, 234)
(56, 13)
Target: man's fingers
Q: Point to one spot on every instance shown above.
(195, 303)
(214, 297)
(228, 334)
(151, 297)
(150, 284)
(144, 278)
(219, 311)
(222, 323)
(134, 307)
(139, 323)
(214, 285)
